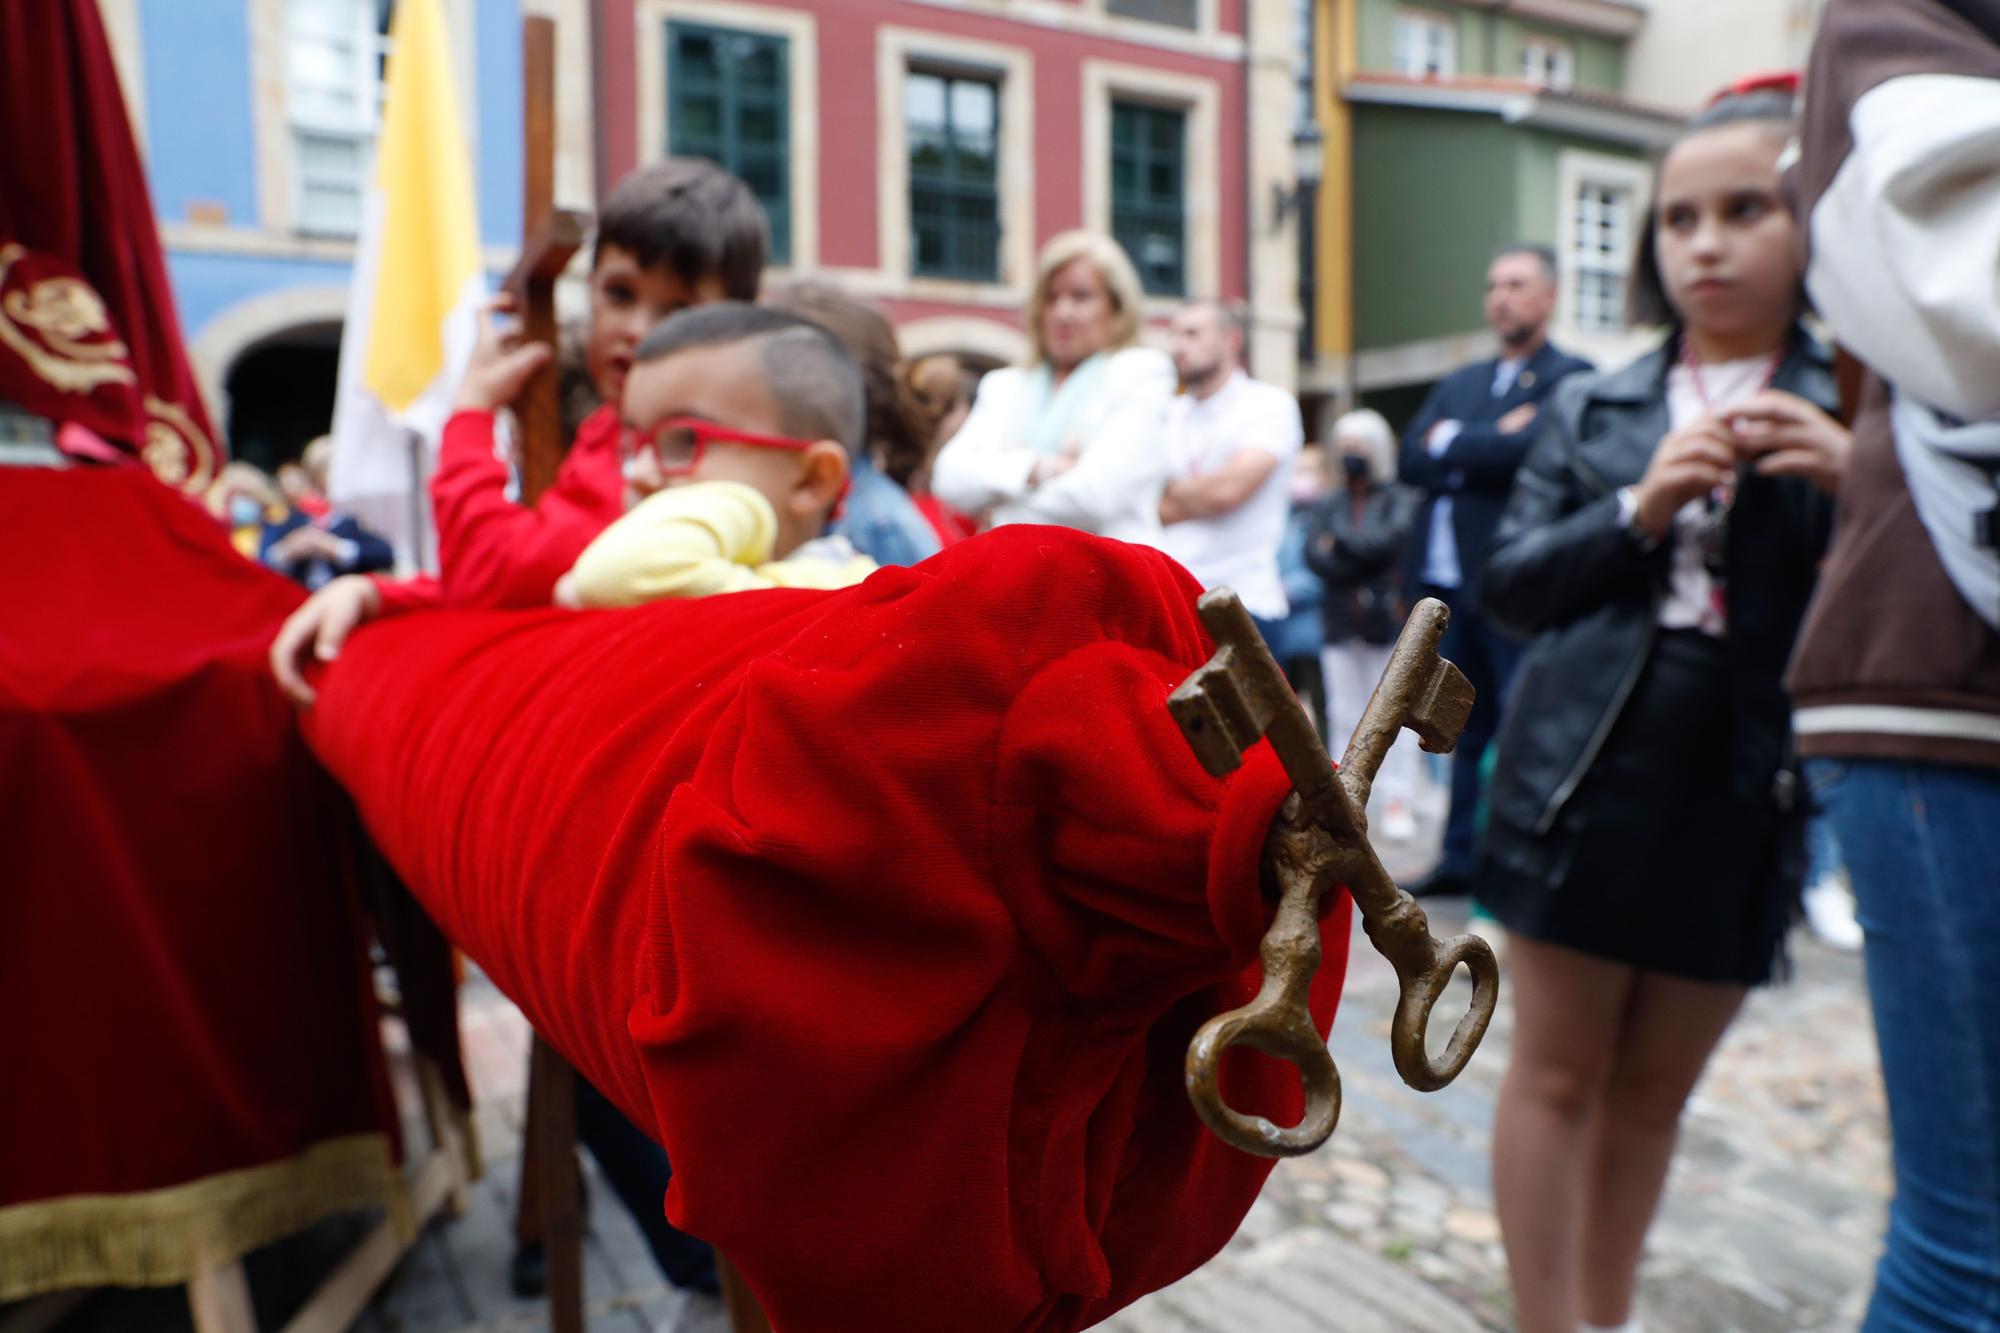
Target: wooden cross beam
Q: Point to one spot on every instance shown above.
(551, 1205)
(1317, 842)
(551, 238)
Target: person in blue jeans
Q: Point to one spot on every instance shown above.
(1896, 681)
(1923, 847)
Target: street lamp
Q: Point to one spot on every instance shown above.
(1308, 162)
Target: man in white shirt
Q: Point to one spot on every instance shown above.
(1232, 440)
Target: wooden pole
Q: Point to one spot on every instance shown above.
(550, 238)
(552, 1114)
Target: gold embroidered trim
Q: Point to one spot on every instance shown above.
(62, 311)
(162, 1237)
(176, 449)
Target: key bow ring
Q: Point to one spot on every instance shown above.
(1318, 842)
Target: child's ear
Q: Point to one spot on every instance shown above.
(823, 475)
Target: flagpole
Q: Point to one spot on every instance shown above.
(419, 548)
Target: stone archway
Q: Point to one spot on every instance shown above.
(281, 393)
(980, 343)
(252, 322)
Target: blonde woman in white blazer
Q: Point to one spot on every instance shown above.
(1074, 438)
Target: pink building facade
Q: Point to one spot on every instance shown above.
(920, 151)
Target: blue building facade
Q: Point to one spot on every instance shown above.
(256, 121)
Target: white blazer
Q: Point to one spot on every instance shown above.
(1114, 489)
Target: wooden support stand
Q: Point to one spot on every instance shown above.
(219, 1297)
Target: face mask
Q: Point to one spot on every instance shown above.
(244, 510)
(1355, 466)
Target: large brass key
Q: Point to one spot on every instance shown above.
(1319, 840)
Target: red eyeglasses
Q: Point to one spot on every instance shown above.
(678, 443)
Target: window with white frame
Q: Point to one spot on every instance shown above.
(334, 54)
(1424, 46)
(953, 123)
(1549, 63)
(1601, 251)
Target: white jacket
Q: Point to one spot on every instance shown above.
(1114, 489)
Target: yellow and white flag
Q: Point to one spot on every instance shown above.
(413, 306)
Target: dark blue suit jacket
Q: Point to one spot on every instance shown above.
(1477, 471)
(372, 555)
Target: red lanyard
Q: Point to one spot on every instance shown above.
(1711, 534)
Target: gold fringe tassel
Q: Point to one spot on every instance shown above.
(162, 1237)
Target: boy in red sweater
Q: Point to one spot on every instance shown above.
(680, 233)
(677, 234)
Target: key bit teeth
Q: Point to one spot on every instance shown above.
(1441, 707)
(1207, 733)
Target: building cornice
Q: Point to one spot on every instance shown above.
(198, 238)
(1604, 18)
(1090, 19)
(1582, 115)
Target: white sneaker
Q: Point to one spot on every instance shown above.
(1398, 824)
(1830, 914)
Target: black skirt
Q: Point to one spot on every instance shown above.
(1656, 861)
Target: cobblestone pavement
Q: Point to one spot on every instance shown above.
(1771, 1221)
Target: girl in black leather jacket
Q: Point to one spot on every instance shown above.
(1659, 547)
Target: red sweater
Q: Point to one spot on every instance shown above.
(888, 911)
(495, 553)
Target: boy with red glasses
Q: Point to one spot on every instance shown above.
(740, 424)
(672, 236)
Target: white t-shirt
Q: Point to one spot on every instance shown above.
(1441, 565)
(1691, 602)
(1238, 549)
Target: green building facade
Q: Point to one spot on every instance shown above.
(1471, 126)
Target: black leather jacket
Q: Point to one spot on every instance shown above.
(1563, 570)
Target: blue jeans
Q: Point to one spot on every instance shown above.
(1922, 844)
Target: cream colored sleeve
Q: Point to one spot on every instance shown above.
(685, 541)
(824, 575)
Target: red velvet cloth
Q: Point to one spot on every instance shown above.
(889, 911)
(71, 187)
(181, 954)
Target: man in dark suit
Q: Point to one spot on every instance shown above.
(1461, 451)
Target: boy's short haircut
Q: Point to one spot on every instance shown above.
(810, 376)
(901, 422)
(692, 216)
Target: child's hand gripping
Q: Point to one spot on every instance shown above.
(501, 362)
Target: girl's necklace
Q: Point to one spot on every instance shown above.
(1712, 532)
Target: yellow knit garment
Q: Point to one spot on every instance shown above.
(697, 540)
